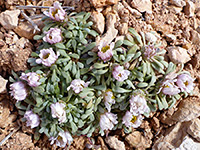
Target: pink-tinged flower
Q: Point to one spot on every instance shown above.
(56, 12)
(32, 120)
(47, 57)
(109, 99)
(120, 74)
(62, 139)
(131, 120)
(169, 88)
(32, 78)
(138, 105)
(150, 51)
(53, 36)
(18, 90)
(105, 51)
(77, 85)
(58, 111)
(185, 83)
(107, 121)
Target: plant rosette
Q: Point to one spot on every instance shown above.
(75, 87)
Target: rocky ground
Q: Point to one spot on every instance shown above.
(174, 22)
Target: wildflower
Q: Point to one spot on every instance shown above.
(150, 51)
(109, 99)
(131, 120)
(185, 83)
(105, 51)
(120, 74)
(47, 57)
(107, 121)
(56, 12)
(62, 139)
(58, 111)
(32, 78)
(32, 119)
(18, 90)
(138, 105)
(169, 88)
(53, 36)
(77, 85)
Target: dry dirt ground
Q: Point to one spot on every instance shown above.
(174, 22)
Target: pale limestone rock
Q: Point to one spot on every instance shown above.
(123, 28)
(194, 129)
(172, 137)
(195, 37)
(101, 3)
(189, 9)
(135, 139)
(188, 144)
(3, 83)
(170, 37)
(134, 12)
(114, 143)
(111, 33)
(9, 19)
(188, 109)
(142, 5)
(150, 37)
(178, 55)
(178, 3)
(25, 29)
(98, 21)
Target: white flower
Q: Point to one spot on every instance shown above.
(107, 121)
(58, 111)
(32, 119)
(32, 78)
(169, 88)
(105, 51)
(109, 99)
(131, 120)
(77, 85)
(47, 57)
(62, 139)
(185, 83)
(138, 105)
(18, 90)
(120, 74)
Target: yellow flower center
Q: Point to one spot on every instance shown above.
(105, 48)
(120, 75)
(54, 12)
(133, 119)
(186, 83)
(46, 56)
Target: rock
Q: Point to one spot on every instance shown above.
(25, 29)
(3, 83)
(101, 3)
(9, 19)
(178, 55)
(6, 118)
(188, 109)
(194, 129)
(114, 143)
(170, 37)
(135, 139)
(99, 21)
(195, 37)
(79, 142)
(123, 28)
(155, 123)
(111, 31)
(189, 8)
(102, 143)
(142, 5)
(178, 3)
(134, 12)
(172, 137)
(188, 144)
(150, 37)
